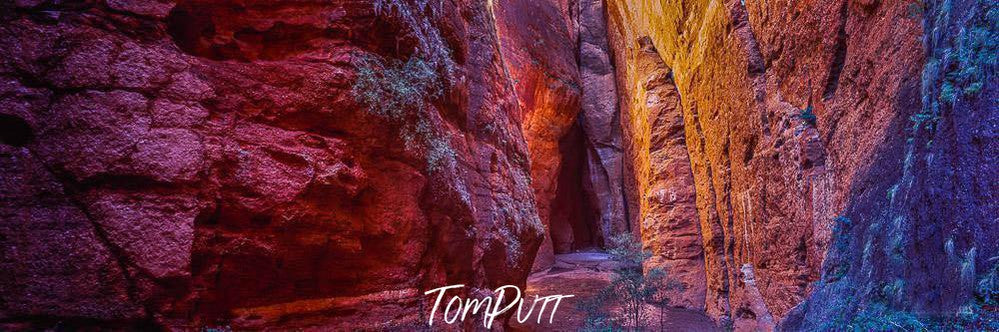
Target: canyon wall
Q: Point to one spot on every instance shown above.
(261, 164)
(795, 114)
(600, 120)
(919, 234)
(659, 182)
(256, 164)
(539, 52)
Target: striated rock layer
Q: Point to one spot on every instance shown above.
(770, 178)
(211, 163)
(660, 184)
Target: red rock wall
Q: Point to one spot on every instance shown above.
(538, 40)
(600, 119)
(209, 163)
(286, 165)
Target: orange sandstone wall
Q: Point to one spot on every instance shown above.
(768, 184)
(659, 181)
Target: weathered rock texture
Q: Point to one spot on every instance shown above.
(601, 123)
(659, 183)
(769, 182)
(319, 164)
(538, 40)
(920, 232)
(202, 163)
(558, 57)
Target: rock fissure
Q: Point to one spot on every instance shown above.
(126, 266)
(839, 54)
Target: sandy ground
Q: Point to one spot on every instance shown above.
(583, 275)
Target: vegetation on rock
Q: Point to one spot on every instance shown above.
(399, 92)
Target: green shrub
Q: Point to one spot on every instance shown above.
(988, 288)
(632, 288)
(394, 89)
(975, 52)
(628, 250)
(877, 317)
(399, 92)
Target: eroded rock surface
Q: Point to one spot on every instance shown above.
(191, 163)
(770, 180)
(538, 40)
(920, 232)
(661, 186)
(601, 122)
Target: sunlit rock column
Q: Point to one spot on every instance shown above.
(659, 181)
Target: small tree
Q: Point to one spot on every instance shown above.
(661, 298)
(636, 286)
(632, 287)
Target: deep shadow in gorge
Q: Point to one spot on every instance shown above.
(574, 221)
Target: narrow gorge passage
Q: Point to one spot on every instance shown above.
(585, 274)
(624, 169)
(324, 165)
(575, 222)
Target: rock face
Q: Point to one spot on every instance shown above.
(188, 164)
(661, 191)
(922, 237)
(769, 180)
(600, 119)
(539, 52)
(557, 55)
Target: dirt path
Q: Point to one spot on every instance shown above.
(583, 275)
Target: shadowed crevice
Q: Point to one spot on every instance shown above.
(14, 131)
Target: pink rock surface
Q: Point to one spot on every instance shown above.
(192, 164)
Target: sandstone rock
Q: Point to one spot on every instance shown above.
(154, 8)
(537, 40)
(656, 151)
(191, 164)
(768, 184)
(55, 262)
(182, 176)
(155, 230)
(921, 236)
(600, 120)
